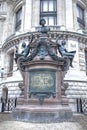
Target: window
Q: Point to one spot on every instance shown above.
(18, 19)
(0, 55)
(48, 11)
(80, 17)
(86, 60)
(11, 60)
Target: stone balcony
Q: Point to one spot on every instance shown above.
(52, 28)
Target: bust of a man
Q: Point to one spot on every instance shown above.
(43, 29)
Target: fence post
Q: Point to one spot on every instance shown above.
(15, 101)
(77, 105)
(81, 105)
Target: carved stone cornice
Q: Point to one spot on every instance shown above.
(68, 34)
(14, 39)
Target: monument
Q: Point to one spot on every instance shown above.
(43, 98)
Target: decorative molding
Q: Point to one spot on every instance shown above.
(18, 4)
(13, 39)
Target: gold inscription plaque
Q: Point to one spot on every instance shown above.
(42, 80)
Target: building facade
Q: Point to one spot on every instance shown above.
(67, 20)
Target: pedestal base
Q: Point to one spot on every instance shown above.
(42, 113)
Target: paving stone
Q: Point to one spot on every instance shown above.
(79, 122)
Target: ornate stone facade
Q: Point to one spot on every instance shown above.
(67, 28)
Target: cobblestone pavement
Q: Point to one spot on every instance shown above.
(79, 122)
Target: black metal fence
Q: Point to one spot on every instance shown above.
(82, 105)
(8, 105)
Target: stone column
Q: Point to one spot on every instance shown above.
(23, 18)
(8, 23)
(75, 16)
(28, 15)
(35, 13)
(1, 32)
(69, 15)
(60, 13)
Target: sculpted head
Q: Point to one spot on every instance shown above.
(42, 22)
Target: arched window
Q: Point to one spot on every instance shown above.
(5, 94)
(11, 62)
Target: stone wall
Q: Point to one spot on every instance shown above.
(13, 89)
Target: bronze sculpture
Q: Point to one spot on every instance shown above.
(44, 29)
(63, 51)
(43, 48)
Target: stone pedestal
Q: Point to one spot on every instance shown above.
(44, 98)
